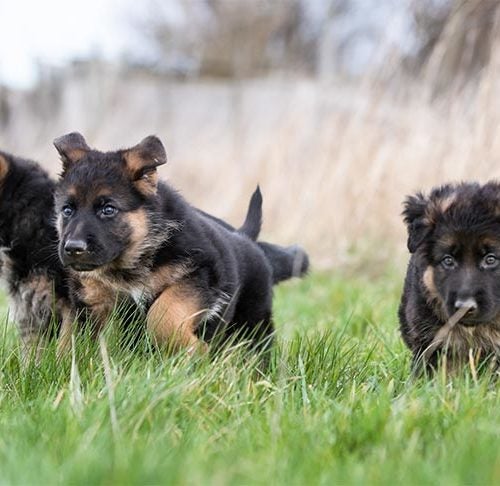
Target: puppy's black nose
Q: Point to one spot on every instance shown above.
(75, 247)
(469, 302)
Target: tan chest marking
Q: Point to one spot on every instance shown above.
(100, 298)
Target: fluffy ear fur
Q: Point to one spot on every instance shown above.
(72, 148)
(142, 161)
(418, 225)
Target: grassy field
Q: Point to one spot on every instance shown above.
(336, 406)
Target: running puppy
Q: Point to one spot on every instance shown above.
(122, 230)
(454, 241)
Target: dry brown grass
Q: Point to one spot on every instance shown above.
(334, 161)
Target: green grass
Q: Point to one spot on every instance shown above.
(337, 406)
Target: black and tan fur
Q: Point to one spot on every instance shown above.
(454, 241)
(123, 230)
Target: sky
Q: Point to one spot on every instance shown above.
(54, 31)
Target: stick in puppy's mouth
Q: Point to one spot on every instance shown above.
(445, 331)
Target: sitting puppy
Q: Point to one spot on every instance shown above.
(35, 279)
(454, 241)
(122, 230)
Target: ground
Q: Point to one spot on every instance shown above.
(337, 406)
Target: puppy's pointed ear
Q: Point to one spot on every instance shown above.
(418, 225)
(72, 148)
(4, 167)
(142, 161)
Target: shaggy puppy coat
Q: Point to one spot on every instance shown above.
(454, 241)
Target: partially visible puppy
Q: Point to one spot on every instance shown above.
(35, 279)
(454, 241)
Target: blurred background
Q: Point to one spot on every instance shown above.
(337, 108)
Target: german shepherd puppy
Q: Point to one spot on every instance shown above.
(122, 230)
(454, 241)
(35, 279)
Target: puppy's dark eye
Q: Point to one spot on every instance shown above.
(67, 211)
(448, 261)
(108, 210)
(490, 261)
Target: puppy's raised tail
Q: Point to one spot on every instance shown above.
(286, 261)
(253, 221)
